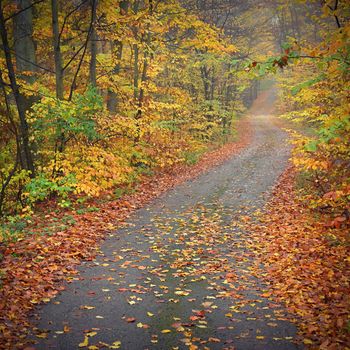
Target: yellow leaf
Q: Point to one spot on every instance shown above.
(85, 342)
(181, 292)
(116, 345)
(166, 331)
(42, 335)
(91, 334)
(87, 307)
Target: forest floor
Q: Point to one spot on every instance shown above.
(181, 272)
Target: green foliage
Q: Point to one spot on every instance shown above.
(296, 89)
(192, 157)
(41, 187)
(53, 119)
(13, 228)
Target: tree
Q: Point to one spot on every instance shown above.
(26, 153)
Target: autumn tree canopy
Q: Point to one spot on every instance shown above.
(96, 93)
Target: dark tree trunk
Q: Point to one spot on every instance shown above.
(19, 99)
(23, 39)
(112, 100)
(93, 41)
(24, 45)
(57, 50)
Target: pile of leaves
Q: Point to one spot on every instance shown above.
(307, 265)
(34, 267)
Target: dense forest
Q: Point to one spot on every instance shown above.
(95, 93)
(98, 95)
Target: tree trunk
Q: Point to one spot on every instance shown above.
(60, 143)
(143, 78)
(23, 39)
(205, 79)
(93, 48)
(24, 45)
(112, 100)
(57, 50)
(19, 99)
(136, 71)
(212, 84)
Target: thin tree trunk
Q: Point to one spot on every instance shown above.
(136, 56)
(112, 99)
(57, 50)
(136, 71)
(93, 47)
(112, 102)
(204, 75)
(20, 102)
(143, 79)
(60, 143)
(212, 84)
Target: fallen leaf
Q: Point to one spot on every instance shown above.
(166, 331)
(85, 342)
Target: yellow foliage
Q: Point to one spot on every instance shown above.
(322, 150)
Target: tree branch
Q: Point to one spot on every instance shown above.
(22, 10)
(83, 55)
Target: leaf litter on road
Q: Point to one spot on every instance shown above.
(33, 268)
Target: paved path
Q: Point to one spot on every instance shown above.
(182, 267)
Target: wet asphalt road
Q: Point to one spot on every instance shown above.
(182, 267)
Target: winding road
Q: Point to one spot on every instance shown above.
(181, 274)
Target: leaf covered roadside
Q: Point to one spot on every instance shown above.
(33, 268)
(307, 266)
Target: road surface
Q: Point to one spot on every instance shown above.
(180, 274)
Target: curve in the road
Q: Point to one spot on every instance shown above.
(180, 274)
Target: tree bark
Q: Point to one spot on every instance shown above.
(19, 99)
(112, 99)
(23, 39)
(93, 47)
(146, 58)
(24, 45)
(136, 71)
(57, 50)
